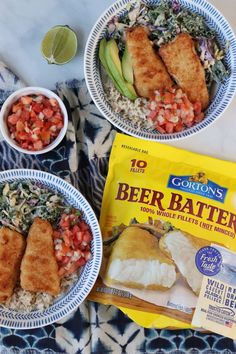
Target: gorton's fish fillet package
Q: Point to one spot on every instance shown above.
(166, 215)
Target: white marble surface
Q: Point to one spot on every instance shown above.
(24, 22)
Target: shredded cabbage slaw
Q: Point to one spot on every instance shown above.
(22, 201)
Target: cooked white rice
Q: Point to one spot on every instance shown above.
(134, 111)
(27, 301)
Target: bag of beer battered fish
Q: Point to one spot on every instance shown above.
(168, 221)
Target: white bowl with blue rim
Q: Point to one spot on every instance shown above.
(223, 93)
(78, 292)
(15, 96)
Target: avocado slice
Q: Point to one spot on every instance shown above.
(131, 89)
(114, 65)
(127, 67)
(102, 58)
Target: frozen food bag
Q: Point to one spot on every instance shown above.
(162, 207)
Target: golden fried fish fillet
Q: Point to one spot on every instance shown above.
(12, 245)
(185, 67)
(150, 73)
(137, 262)
(39, 270)
(182, 247)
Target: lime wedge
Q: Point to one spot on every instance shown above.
(59, 45)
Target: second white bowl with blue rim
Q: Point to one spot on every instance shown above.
(222, 96)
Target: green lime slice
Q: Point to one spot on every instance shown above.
(59, 45)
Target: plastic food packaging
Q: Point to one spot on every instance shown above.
(168, 221)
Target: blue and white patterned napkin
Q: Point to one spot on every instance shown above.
(82, 159)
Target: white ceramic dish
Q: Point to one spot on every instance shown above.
(222, 95)
(68, 302)
(7, 106)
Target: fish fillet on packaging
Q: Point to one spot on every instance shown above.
(12, 245)
(39, 270)
(184, 65)
(137, 262)
(150, 72)
(182, 248)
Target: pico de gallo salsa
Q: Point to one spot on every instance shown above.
(35, 121)
(171, 111)
(72, 243)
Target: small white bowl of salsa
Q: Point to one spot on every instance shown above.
(33, 120)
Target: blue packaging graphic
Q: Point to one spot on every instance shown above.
(198, 184)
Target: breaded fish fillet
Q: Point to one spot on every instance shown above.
(39, 270)
(136, 261)
(150, 73)
(182, 247)
(12, 245)
(185, 67)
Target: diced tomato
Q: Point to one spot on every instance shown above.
(80, 262)
(65, 249)
(65, 260)
(179, 127)
(48, 112)
(87, 237)
(25, 115)
(22, 135)
(152, 115)
(160, 129)
(33, 115)
(75, 229)
(25, 145)
(79, 236)
(45, 136)
(39, 123)
(197, 107)
(56, 120)
(65, 222)
(58, 115)
(12, 119)
(168, 98)
(46, 103)
(169, 127)
(167, 114)
(76, 243)
(37, 107)
(84, 226)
